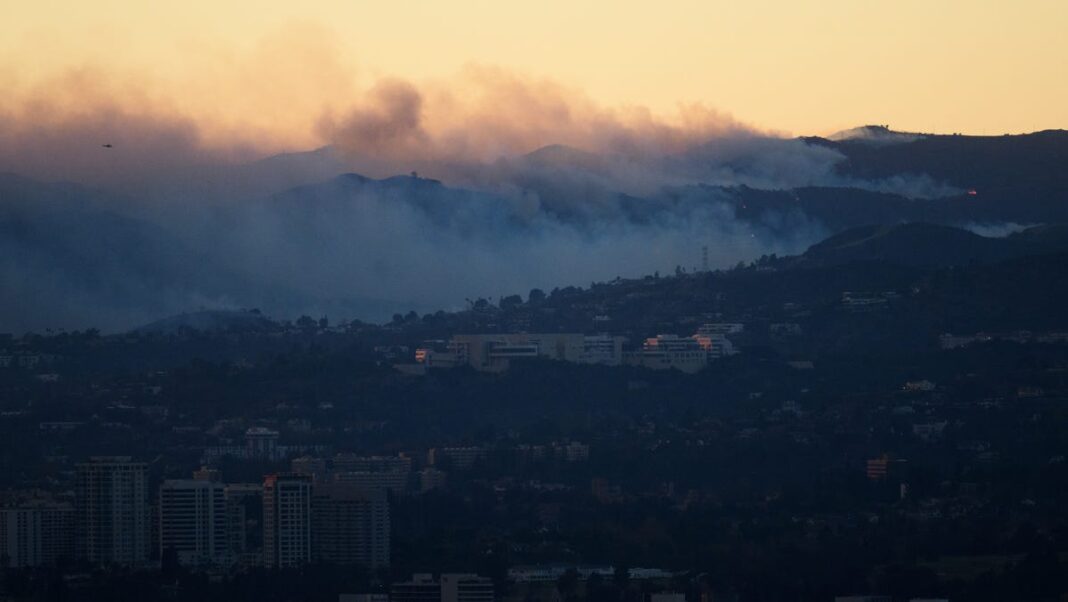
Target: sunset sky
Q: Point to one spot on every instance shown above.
(798, 68)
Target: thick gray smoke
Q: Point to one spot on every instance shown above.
(541, 188)
(348, 247)
(416, 244)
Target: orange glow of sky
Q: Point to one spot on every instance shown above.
(275, 66)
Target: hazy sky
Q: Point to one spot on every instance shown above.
(973, 66)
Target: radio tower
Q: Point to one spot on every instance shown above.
(704, 258)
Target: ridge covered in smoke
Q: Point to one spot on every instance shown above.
(516, 182)
(351, 246)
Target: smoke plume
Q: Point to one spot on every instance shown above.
(219, 188)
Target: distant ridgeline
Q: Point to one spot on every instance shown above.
(353, 246)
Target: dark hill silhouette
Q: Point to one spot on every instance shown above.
(1035, 159)
(210, 321)
(1019, 177)
(923, 244)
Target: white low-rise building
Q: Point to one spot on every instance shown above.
(716, 345)
(669, 351)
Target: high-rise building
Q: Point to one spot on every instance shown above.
(309, 465)
(111, 495)
(287, 520)
(193, 521)
(244, 523)
(350, 525)
(36, 533)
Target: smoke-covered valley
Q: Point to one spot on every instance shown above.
(351, 246)
(306, 233)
